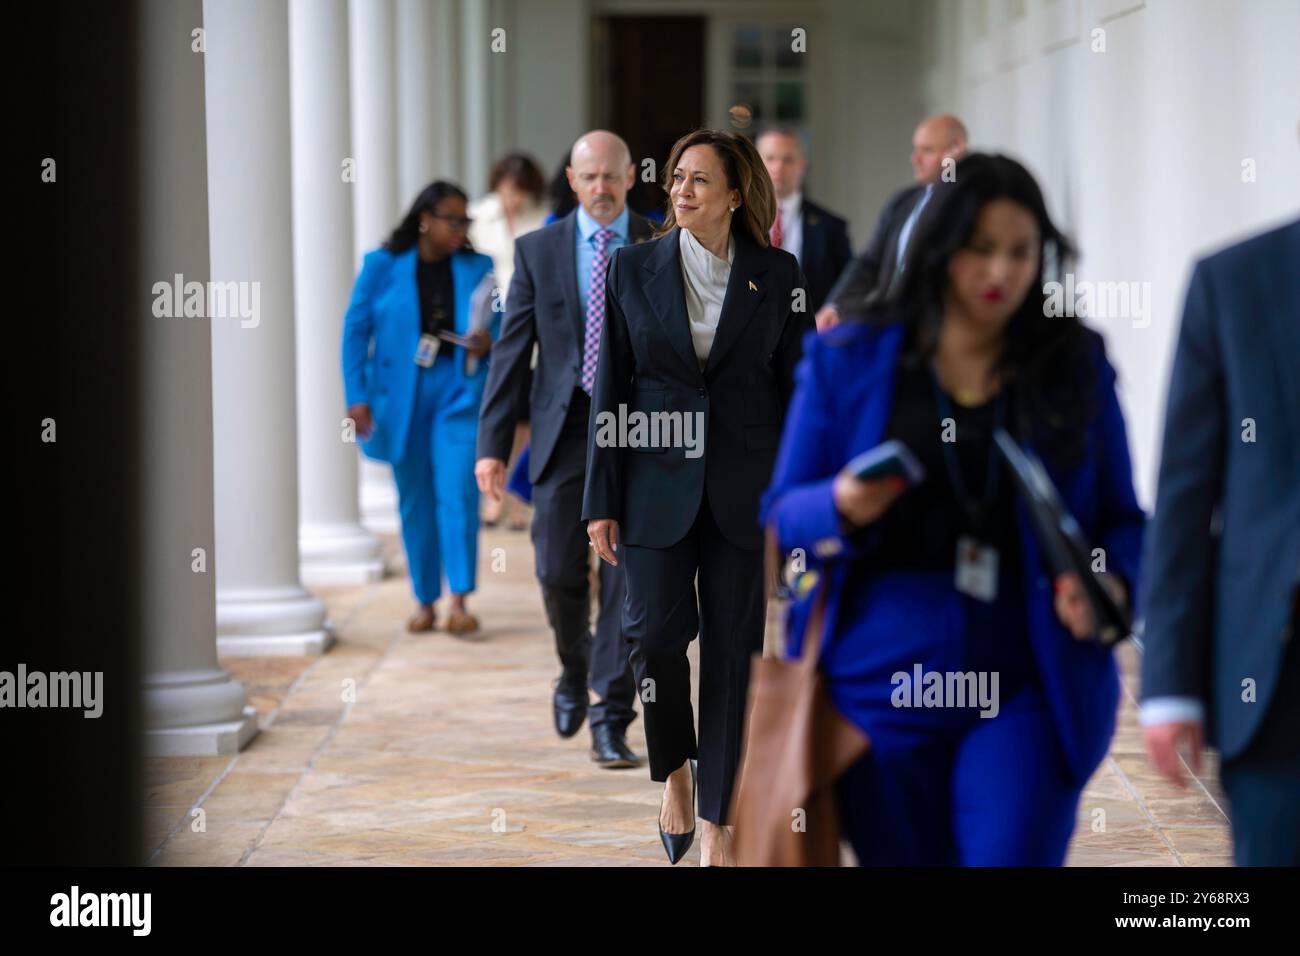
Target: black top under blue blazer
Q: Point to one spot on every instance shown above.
(1218, 602)
(648, 363)
(841, 408)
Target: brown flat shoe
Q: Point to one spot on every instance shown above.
(461, 622)
(421, 621)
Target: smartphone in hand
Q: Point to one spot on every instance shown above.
(887, 460)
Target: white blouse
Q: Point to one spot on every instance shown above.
(490, 234)
(704, 281)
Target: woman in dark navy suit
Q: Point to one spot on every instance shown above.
(944, 577)
(702, 330)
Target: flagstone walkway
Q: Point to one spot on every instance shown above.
(395, 749)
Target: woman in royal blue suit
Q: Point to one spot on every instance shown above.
(965, 344)
(416, 407)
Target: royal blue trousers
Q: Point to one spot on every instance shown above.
(437, 494)
(943, 785)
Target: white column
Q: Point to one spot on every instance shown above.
(335, 549)
(376, 207)
(501, 84)
(378, 498)
(261, 606)
(448, 117)
(417, 89)
(373, 104)
(428, 83)
(476, 38)
(192, 706)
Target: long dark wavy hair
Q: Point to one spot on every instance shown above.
(407, 232)
(1047, 359)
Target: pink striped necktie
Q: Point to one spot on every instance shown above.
(595, 309)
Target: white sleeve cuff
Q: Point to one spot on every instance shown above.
(1164, 710)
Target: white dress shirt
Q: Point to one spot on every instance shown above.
(1162, 710)
(704, 282)
(792, 224)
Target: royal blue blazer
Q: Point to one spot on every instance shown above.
(841, 406)
(381, 333)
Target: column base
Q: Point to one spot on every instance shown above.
(203, 740)
(325, 574)
(339, 554)
(306, 644)
(196, 713)
(282, 621)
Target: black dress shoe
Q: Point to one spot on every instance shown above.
(570, 705)
(678, 843)
(609, 747)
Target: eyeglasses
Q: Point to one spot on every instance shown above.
(456, 222)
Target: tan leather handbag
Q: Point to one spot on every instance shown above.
(796, 745)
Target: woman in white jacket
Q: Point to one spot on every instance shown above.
(513, 207)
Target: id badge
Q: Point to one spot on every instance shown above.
(428, 350)
(977, 569)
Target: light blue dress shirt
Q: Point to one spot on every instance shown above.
(586, 239)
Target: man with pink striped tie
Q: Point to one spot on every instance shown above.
(556, 301)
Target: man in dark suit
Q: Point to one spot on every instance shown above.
(816, 237)
(556, 301)
(937, 144)
(1223, 561)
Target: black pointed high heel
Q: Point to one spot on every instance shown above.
(677, 844)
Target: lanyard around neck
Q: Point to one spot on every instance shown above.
(976, 511)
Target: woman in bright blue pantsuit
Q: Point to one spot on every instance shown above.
(415, 398)
(944, 577)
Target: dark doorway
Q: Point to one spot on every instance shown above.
(650, 76)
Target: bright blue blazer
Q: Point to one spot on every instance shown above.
(381, 333)
(840, 408)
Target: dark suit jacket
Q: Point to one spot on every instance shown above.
(1217, 605)
(879, 260)
(545, 307)
(826, 251)
(648, 364)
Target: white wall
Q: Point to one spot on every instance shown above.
(865, 99)
(1140, 147)
(550, 64)
(875, 99)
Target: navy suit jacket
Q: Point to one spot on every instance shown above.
(1219, 600)
(841, 408)
(648, 364)
(544, 307)
(826, 251)
(879, 260)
